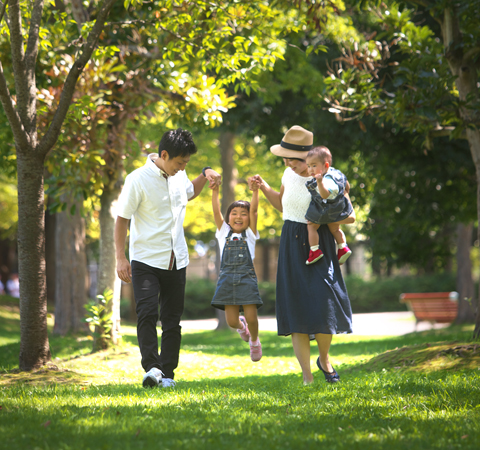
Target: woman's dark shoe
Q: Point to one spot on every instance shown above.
(330, 377)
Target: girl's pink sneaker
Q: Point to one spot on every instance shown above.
(255, 350)
(243, 332)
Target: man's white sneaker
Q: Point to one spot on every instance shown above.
(152, 378)
(168, 382)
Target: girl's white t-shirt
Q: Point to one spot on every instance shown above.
(222, 234)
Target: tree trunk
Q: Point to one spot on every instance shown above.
(465, 285)
(50, 255)
(463, 67)
(107, 275)
(71, 272)
(227, 152)
(229, 180)
(474, 141)
(34, 345)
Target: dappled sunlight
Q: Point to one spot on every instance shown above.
(214, 367)
(392, 389)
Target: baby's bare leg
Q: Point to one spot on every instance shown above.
(312, 233)
(338, 234)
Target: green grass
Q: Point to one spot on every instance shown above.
(419, 391)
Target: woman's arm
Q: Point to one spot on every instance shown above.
(274, 197)
(217, 213)
(254, 210)
(352, 217)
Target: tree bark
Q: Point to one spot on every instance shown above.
(229, 180)
(71, 272)
(107, 275)
(50, 256)
(465, 285)
(463, 67)
(34, 345)
(227, 152)
(22, 117)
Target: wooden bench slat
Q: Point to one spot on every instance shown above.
(439, 307)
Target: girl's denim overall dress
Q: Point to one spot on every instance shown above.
(237, 282)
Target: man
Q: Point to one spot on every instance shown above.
(154, 198)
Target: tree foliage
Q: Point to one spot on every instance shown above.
(399, 69)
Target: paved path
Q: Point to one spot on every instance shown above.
(382, 324)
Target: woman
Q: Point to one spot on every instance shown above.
(311, 299)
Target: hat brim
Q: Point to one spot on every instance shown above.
(278, 150)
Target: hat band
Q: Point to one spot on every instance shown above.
(295, 147)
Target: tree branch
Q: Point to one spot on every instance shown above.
(33, 37)
(19, 134)
(51, 136)
(30, 61)
(440, 131)
(468, 57)
(4, 7)
(18, 60)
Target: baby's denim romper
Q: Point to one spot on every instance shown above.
(237, 281)
(325, 211)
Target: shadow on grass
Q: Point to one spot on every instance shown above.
(225, 342)
(255, 412)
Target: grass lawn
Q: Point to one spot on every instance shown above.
(419, 391)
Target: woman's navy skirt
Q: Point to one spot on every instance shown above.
(310, 299)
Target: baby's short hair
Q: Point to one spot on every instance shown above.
(322, 153)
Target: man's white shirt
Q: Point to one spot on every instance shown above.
(156, 207)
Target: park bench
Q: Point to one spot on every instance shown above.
(435, 307)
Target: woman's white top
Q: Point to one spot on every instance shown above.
(296, 198)
(222, 234)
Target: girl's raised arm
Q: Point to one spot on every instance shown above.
(217, 213)
(254, 210)
(274, 197)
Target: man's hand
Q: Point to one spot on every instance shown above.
(214, 178)
(124, 270)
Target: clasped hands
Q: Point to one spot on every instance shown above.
(256, 182)
(214, 178)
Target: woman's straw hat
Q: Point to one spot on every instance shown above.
(295, 144)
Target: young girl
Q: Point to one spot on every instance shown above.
(237, 283)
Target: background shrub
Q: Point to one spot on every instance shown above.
(374, 295)
(382, 294)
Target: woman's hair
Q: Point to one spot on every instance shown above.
(295, 159)
(322, 153)
(177, 143)
(237, 204)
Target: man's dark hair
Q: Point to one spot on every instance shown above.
(177, 143)
(236, 204)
